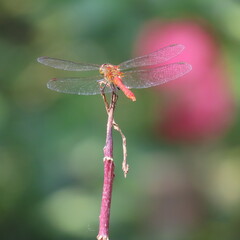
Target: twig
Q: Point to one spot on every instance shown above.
(125, 166)
(104, 217)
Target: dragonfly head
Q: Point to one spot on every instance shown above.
(103, 68)
(106, 68)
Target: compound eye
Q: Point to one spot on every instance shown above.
(102, 68)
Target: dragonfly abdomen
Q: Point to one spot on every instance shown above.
(118, 82)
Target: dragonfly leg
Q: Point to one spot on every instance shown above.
(114, 91)
(114, 88)
(103, 85)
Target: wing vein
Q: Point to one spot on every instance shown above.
(155, 76)
(67, 65)
(154, 58)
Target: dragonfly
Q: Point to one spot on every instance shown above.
(141, 72)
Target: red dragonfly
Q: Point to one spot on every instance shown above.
(140, 72)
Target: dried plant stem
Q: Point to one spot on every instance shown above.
(125, 166)
(108, 172)
(104, 217)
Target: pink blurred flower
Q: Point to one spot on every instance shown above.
(199, 106)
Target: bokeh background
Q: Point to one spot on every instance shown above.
(183, 137)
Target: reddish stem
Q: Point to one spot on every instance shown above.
(108, 175)
(104, 217)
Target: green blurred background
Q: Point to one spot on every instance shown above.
(51, 144)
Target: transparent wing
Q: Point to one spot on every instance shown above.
(157, 57)
(67, 65)
(80, 86)
(155, 76)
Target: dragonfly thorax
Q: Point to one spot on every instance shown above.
(110, 71)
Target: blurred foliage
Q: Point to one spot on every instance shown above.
(51, 143)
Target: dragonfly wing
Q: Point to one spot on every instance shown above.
(80, 86)
(67, 65)
(155, 76)
(154, 58)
